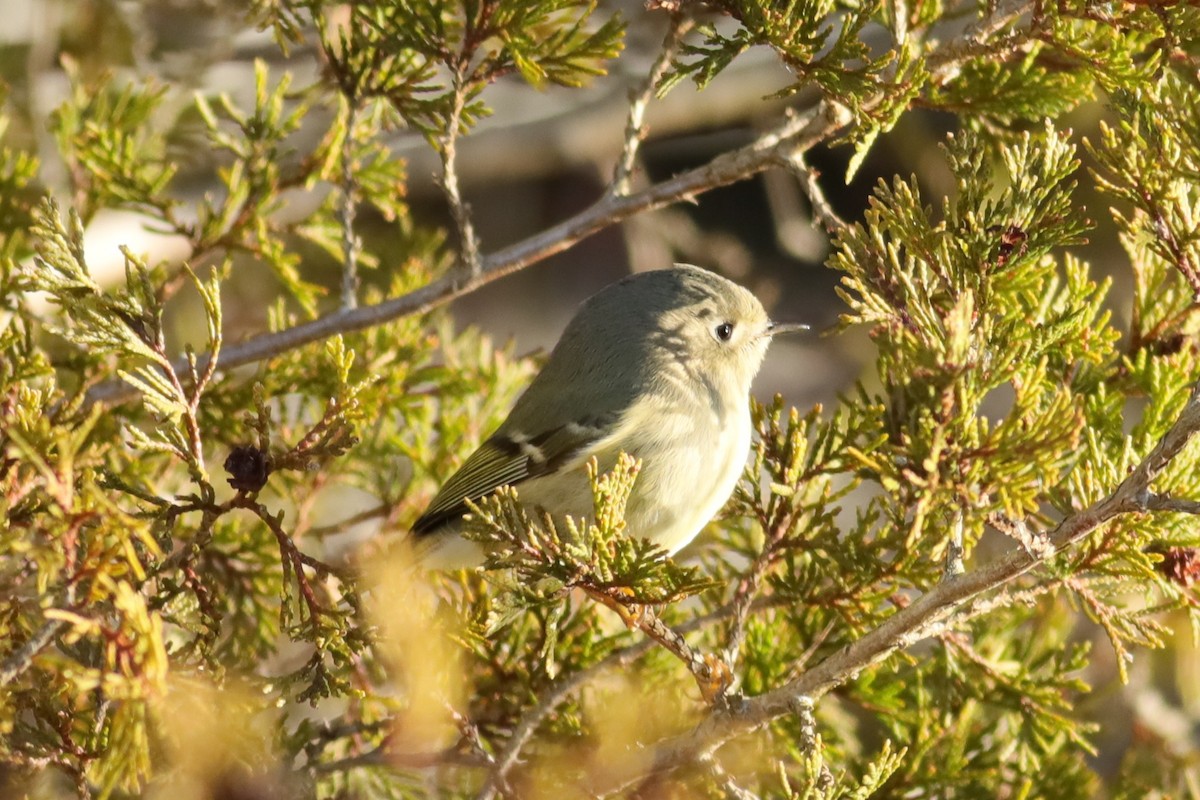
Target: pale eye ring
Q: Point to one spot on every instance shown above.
(724, 331)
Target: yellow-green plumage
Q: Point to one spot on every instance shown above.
(644, 368)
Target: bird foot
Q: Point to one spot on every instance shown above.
(714, 678)
(632, 614)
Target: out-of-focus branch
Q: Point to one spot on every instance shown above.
(727, 783)
(22, 658)
(551, 700)
(349, 209)
(571, 684)
(798, 133)
(953, 600)
(382, 757)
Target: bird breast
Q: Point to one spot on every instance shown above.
(690, 463)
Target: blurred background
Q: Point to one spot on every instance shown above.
(542, 156)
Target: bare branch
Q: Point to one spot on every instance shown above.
(807, 176)
(794, 135)
(468, 241)
(351, 244)
(551, 700)
(1158, 502)
(949, 601)
(639, 100)
(801, 132)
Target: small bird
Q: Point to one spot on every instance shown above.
(657, 365)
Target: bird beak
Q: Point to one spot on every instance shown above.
(776, 328)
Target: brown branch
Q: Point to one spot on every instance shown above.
(1158, 502)
(711, 674)
(822, 211)
(293, 559)
(795, 134)
(799, 133)
(1176, 320)
(748, 585)
(570, 685)
(639, 100)
(952, 600)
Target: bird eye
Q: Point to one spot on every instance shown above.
(724, 331)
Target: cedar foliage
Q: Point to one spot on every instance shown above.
(167, 634)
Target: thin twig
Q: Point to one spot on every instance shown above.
(468, 241)
(470, 734)
(1158, 502)
(639, 101)
(729, 786)
(294, 560)
(748, 585)
(331, 731)
(712, 675)
(822, 211)
(549, 701)
(342, 525)
(351, 244)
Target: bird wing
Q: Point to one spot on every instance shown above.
(507, 459)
